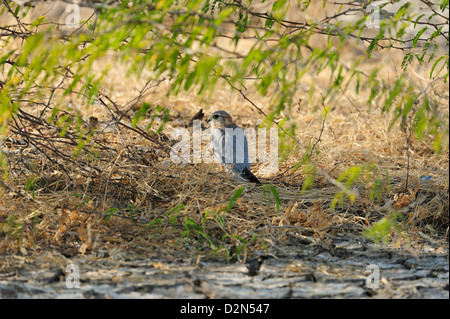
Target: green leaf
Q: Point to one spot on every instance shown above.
(235, 197)
(110, 212)
(5, 57)
(395, 91)
(376, 191)
(189, 81)
(310, 172)
(31, 185)
(416, 38)
(371, 46)
(173, 213)
(142, 112)
(407, 59)
(421, 121)
(269, 21)
(158, 221)
(380, 230)
(437, 144)
(38, 21)
(417, 19)
(279, 4)
(276, 197)
(436, 63)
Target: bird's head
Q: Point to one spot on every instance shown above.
(220, 119)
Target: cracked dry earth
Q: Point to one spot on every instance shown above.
(338, 269)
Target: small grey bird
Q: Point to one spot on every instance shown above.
(229, 146)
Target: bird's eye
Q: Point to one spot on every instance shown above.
(215, 117)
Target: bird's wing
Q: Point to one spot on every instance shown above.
(239, 157)
(218, 144)
(230, 146)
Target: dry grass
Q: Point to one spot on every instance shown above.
(131, 182)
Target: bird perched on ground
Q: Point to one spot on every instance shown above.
(229, 146)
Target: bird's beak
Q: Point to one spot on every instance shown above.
(209, 119)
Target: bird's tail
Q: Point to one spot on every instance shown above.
(248, 176)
